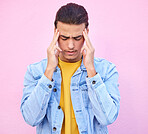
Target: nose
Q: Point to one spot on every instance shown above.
(71, 44)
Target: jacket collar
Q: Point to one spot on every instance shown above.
(82, 67)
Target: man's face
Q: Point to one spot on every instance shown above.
(70, 41)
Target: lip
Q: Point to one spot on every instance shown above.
(70, 52)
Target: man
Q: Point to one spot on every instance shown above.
(71, 92)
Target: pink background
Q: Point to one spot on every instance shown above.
(119, 33)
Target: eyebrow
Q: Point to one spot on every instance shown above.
(64, 36)
(69, 37)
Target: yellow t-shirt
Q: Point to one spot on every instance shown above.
(67, 70)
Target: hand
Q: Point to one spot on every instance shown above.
(52, 56)
(88, 55)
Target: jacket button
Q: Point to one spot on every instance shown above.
(54, 89)
(93, 82)
(54, 128)
(59, 107)
(50, 86)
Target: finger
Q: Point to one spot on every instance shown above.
(84, 49)
(88, 43)
(56, 48)
(55, 34)
(53, 49)
(59, 48)
(55, 38)
(85, 34)
(57, 51)
(53, 42)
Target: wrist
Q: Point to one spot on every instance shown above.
(91, 72)
(49, 73)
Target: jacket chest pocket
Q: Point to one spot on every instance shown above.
(85, 96)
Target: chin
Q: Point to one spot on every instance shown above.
(72, 58)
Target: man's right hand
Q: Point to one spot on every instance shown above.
(52, 56)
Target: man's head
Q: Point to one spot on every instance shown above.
(72, 14)
(71, 20)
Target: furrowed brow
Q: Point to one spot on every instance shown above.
(64, 36)
(78, 36)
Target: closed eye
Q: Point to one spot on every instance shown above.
(64, 37)
(78, 38)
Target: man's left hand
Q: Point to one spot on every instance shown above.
(88, 55)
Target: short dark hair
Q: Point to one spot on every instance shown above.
(72, 14)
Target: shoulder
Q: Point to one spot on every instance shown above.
(102, 62)
(37, 68)
(103, 66)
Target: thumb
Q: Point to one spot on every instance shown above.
(83, 51)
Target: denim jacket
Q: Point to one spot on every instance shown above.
(95, 100)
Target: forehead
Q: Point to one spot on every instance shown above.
(70, 29)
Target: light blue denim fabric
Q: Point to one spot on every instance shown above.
(95, 100)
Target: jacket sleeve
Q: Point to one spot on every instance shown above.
(36, 95)
(104, 95)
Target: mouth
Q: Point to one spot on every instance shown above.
(70, 53)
